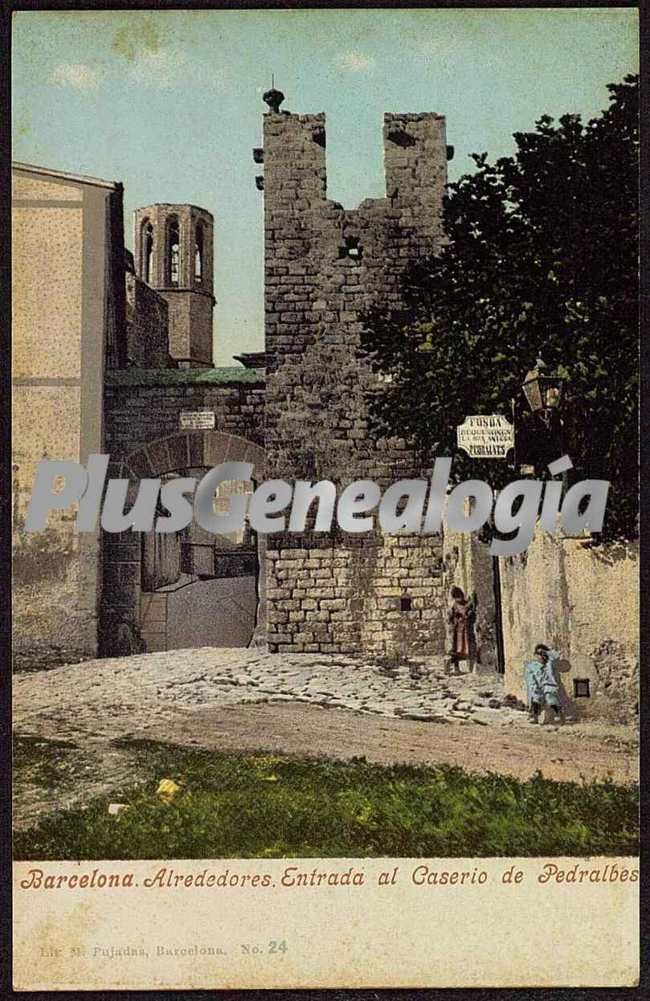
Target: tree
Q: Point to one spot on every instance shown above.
(540, 259)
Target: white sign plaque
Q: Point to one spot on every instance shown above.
(486, 437)
(195, 420)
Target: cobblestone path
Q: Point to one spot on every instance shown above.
(100, 698)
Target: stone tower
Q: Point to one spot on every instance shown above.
(325, 267)
(174, 255)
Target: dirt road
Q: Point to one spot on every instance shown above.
(567, 753)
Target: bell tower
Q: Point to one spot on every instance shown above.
(174, 255)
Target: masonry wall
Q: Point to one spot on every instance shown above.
(190, 327)
(147, 326)
(585, 601)
(142, 406)
(350, 596)
(325, 266)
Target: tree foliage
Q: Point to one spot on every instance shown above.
(540, 259)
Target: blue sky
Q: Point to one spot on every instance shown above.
(169, 102)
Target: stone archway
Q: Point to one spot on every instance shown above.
(187, 449)
(135, 620)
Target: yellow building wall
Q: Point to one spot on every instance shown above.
(579, 598)
(47, 283)
(583, 600)
(38, 187)
(59, 255)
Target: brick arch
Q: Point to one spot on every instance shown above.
(187, 449)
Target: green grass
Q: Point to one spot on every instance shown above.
(41, 762)
(236, 805)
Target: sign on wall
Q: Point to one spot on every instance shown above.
(486, 437)
(195, 420)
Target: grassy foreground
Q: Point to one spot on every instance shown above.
(235, 805)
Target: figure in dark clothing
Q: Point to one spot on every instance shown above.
(461, 622)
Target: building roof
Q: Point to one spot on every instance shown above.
(181, 376)
(96, 182)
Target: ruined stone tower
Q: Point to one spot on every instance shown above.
(174, 255)
(325, 266)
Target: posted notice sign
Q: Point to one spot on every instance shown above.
(486, 437)
(195, 420)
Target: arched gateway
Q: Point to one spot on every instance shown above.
(190, 588)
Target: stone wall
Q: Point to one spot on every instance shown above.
(144, 405)
(190, 327)
(379, 595)
(325, 266)
(147, 326)
(583, 600)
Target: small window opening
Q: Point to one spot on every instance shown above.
(147, 254)
(405, 604)
(581, 688)
(173, 244)
(198, 255)
(401, 138)
(351, 248)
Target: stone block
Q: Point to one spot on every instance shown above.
(196, 449)
(333, 604)
(320, 616)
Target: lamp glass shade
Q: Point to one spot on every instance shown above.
(542, 392)
(532, 390)
(552, 393)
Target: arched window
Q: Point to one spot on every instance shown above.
(198, 254)
(147, 252)
(173, 252)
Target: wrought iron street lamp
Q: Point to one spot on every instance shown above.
(543, 392)
(544, 396)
